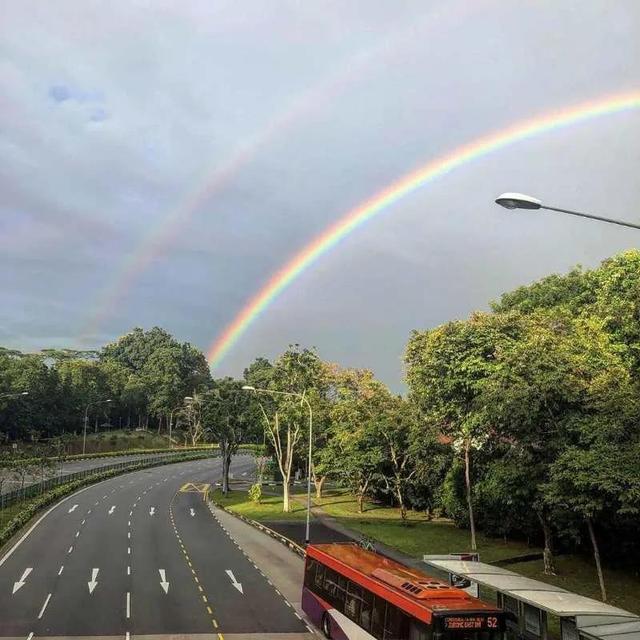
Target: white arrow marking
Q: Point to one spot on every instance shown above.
(152, 510)
(234, 582)
(20, 583)
(163, 580)
(113, 508)
(92, 584)
(193, 512)
(75, 506)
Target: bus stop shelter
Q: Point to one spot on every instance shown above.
(530, 602)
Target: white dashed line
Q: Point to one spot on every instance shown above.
(44, 606)
(128, 605)
(128, 551)
(61, 569)
(70, 549)
(128, 570)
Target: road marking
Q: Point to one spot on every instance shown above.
(130, 513)
(96, 504)
(30, 636)
(163, 580)
(88, 512)
(61, 569)
(234, 582)
(44, 606)
(113, 508)
(193, 512)
(127, 636)
(83, 522)
(92, 583)
(128, 605)
(20, 583)
(77, 534)
(75, 506)
(152, 511)
(129, 535)
(104, 497)
(128, 570)
(70, 549)
(128, 551)
(128, 523)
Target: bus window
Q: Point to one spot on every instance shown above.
(331, 585)
(377, 617)
(309, 572)
(418, 631)
(319, 579)
(352, 601)
(365, 610)
(396, 624)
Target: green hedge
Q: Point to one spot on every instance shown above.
(132, 452)
(53, 495)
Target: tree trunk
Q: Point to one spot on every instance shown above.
(596, 557)
(159, 424)
(226, 463)
(360, 501)
(285, 496)
(467, 481)
(547, 554)
(319, 483)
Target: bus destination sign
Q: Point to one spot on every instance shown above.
(460, 623)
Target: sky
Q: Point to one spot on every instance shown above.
(159, 161)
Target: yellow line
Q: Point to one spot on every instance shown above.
(196, 578)
(220, 636)
(200, 587)
(215, 623)
(209, 610)
(204, 598)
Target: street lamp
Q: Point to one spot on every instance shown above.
(302, 398)
(14, 395)
(86, 418)
(522, 201)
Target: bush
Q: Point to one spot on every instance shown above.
(255, 493)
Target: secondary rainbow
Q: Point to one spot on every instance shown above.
(407, 184)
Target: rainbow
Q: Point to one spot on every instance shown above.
(156, 241)
(399, 189)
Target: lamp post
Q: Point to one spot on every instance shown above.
(303, 399)
(521, 201)
(86, 418)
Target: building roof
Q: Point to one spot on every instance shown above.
(593, 618)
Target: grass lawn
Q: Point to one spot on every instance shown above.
(418, 535)
(269, 508)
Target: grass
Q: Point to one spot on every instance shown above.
(417, 535)
(119, 440)
(269, 507)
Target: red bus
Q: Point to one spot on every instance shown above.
(355, 594)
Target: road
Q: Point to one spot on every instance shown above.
(140, 556)
(11, 481)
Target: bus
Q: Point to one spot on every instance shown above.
(351, 593)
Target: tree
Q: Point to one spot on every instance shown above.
(227, 414)
(446, 369)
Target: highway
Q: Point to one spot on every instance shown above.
(140, 556)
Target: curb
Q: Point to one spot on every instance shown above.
(293, 546)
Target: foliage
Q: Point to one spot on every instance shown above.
(255, 493)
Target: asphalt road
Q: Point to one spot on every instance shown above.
(140, 556)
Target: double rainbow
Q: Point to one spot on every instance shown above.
(364, 212)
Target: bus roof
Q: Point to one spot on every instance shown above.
(411, 589)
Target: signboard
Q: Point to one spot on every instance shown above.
(459, 623)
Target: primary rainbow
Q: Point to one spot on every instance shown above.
(399, 189)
